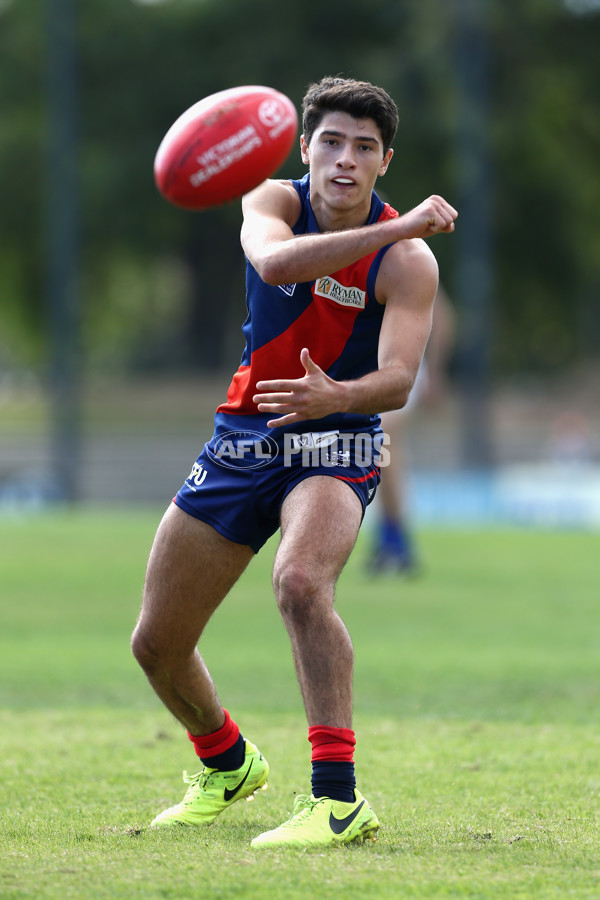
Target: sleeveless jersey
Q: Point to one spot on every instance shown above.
(336, 317)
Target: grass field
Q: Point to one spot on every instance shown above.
(477, 708)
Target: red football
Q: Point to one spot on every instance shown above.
(224, 146)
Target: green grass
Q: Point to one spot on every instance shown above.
(477, 695)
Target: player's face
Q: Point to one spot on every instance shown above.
(345, 156)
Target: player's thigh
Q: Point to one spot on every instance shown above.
(320, 519)
(190, 570)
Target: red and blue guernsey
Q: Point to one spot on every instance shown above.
(336, 317)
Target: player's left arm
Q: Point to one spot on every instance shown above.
(407, 283)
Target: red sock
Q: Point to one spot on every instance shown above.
(218, 742)
(331, 744)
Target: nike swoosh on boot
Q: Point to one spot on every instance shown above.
(339, 825)
(229, 795)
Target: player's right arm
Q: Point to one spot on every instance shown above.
(280, 257)
(269, 211)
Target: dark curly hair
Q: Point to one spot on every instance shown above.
(361, 99)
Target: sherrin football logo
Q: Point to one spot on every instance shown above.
(346, 296)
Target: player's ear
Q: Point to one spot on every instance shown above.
(304, 150)
(385, 162)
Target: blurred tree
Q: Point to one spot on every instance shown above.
(546, 136)
(157, 282)
(21, 155)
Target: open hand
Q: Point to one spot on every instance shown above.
(296, 399)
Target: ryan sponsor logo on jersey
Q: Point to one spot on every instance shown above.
(346, 296)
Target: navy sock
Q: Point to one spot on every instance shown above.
(334, 779)
(230, 759)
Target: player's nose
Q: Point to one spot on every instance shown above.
(345, 158)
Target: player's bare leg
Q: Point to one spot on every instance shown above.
(320, 519)
(190, 570)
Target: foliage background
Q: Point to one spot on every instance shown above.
(160, 288)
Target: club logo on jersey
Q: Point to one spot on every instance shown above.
(287, 289)
(346, 296)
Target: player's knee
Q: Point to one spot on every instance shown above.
(145, 650)
(297, 589)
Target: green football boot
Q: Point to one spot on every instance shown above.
(211, 791)
(322, 822)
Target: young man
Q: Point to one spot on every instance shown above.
(340, 292)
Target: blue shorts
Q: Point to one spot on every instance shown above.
(241, 478)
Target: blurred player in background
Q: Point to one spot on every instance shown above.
(340, 291)
(394, 549)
